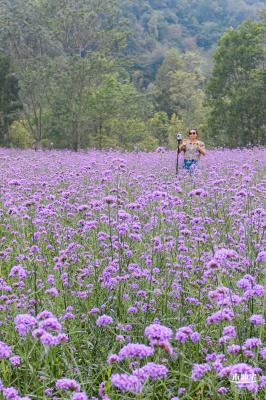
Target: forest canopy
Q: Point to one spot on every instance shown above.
(130, 74)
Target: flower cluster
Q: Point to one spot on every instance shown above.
(49, 330)
(140, 272)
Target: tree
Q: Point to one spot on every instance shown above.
(117, 112)
(69, 113)
(88, 79)
(176, 125)
(59, 45)
(163, 83)
(178, 87)
(10, 106)
(158, 126)
(236, 90)
(28, 43)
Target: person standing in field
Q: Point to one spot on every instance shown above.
(193, 149)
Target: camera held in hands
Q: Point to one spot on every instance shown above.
(179, 137)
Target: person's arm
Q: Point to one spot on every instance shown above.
(202, 149)
(182, 146)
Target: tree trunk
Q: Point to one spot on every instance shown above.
(100, 137)
(76, 137)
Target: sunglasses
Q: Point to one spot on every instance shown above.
(193, 133)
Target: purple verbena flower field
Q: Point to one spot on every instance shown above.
(120, 281)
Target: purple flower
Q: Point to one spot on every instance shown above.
(257, 319)
(120, 338)
(246, 282)
(102, 389)
(212, 357)
(24, 323)
(52, 291)
(50, 324)
(132, 310)
(62, 338)
(263, 353)
(229, 331)
(263, 381)
(251, 343)
(45, 314)
(236, 369)
(48, 340)
(113, 358)
(110, 199)
(222, 315)
(104, 320)
(5, 350)
(15, 360)
(195, 337)
(135, 350)
(234, 348)
(67, 384)
(79, 396)
(261, 257)
(37, 333)
(94, 310)
(183, 334)
(199, 370)
(151, 370)
(158, 334)
(222, 390)
(246, 381)
(219, 294)
(126, 383)
(224, 339)
(10, 393)
(258, 291)
(249, 354)
(18, 271)
(49, 392)
(124, 327)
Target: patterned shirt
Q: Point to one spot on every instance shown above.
(192, 151)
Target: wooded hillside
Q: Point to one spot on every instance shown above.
(187, 25)
(120, 73)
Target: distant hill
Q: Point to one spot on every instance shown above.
(187, 25)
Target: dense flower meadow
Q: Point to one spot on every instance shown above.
(119, 280)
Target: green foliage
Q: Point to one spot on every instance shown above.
(186, 25)
(117, 110)
(127, 133)
(178, 87)
(175, 126)
(10, 104)
(121, 74)
(56, 48)
(20, 136)
(237, 91)
(158, 126)
(105, 113)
